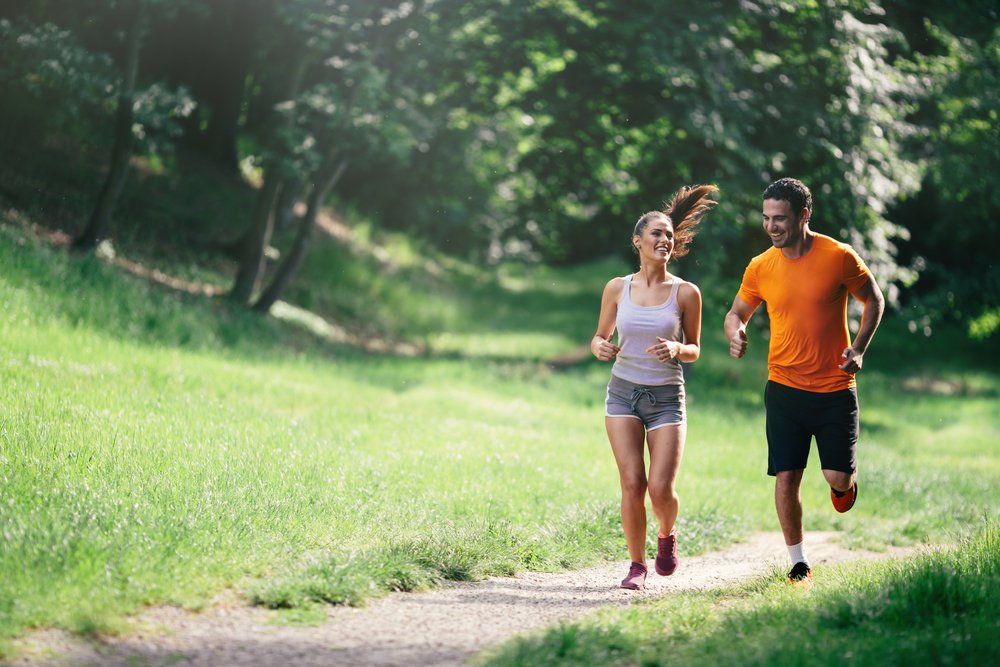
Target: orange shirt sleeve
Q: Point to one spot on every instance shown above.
(856, 272)
(750, 288)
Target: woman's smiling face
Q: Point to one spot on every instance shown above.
(657, 240)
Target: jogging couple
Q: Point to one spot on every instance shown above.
(804, 279)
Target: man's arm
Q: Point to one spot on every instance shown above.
(736, 326)
(871, 295)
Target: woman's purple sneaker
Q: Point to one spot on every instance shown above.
(666, 554)
(636, 578)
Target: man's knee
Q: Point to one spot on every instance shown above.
(786, 478)
(839, 480)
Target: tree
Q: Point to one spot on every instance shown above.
(59, 55)
(542, 129)
(221, 40)
(100, 219)
(956, 213)
(252, 245)
(355, 102)
(136, 110)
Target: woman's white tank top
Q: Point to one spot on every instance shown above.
(638, 328)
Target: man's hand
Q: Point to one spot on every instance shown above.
(738, 344)
(853, 360)
(735, 326)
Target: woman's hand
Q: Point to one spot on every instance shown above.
(604, 349)
(664, 350)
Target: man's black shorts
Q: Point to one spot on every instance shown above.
(794, 416)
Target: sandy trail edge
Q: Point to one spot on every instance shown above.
(441, 627)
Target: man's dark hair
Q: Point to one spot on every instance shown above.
(791, 190)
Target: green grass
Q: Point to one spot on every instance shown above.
(157, 447)
(937, 608)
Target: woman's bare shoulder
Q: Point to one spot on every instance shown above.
(687, 291)
(616, 284)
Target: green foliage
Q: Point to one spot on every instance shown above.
(359, 97)
(158, 112)
(957, 212)
(986, 324)
(540, 131)
(57, 85)
(48, 75)
(619, 110)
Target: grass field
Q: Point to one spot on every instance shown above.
(157, 447)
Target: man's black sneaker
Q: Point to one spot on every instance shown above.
(801, 576)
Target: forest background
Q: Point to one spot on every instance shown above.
(509, 131)
(424, 198)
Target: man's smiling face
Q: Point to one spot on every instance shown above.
(782, 224)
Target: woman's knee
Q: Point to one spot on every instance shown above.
(660, 492)
(633, 489)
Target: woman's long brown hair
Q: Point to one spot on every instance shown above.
(685, 210)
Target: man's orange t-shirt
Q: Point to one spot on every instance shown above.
(807, 302)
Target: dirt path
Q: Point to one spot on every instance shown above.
(443, 627)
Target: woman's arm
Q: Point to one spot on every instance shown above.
(689, 305)
(601, 345)
(689, 299)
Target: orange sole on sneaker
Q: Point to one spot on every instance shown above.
(805, 583)
(846, 501)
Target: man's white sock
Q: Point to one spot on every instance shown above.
(797, 553)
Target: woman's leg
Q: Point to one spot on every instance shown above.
(626, 436)
(666, 446)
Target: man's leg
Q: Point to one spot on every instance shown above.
(788, 504)
(837, 442)
(788, 442)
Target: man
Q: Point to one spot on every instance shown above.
(804, 279)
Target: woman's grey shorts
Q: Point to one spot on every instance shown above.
(655, 406)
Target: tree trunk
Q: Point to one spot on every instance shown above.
(326, 178)
(255, 241)
(121, 150)
(236, 23)
(285, 212)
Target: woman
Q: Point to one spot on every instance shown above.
(658, 318)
